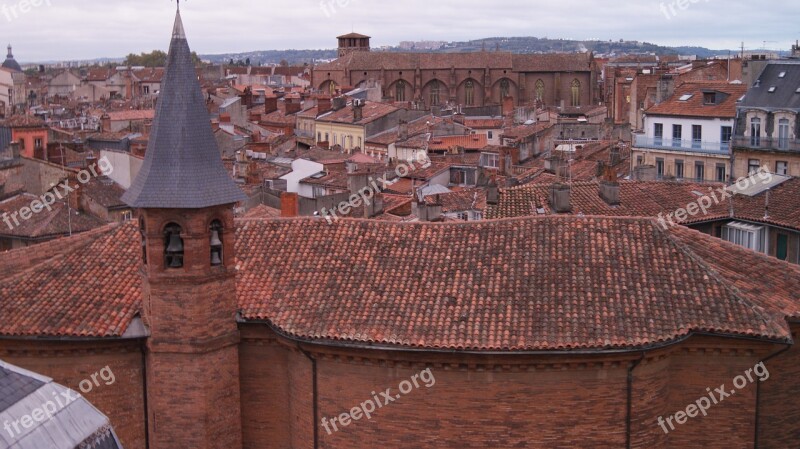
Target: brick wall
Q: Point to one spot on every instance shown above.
(70, 363)
(779, 414)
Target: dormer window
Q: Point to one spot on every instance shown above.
(173, 254)
(709, 98)
(216, 243)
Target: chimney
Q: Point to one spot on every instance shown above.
(375, 206)
(560, 198)
(323, 105)
(292, 107)
(426, 211)
(356, 182)
(614, 155)
(645, 173)
(358, 111)
(402, 130)
(338, 103)
(214, 125)
(15, 149)
(74, 197)
(289, 204)
(609, 192)
(492, 193)
(105, 123)
(270, 104)
(601, 169)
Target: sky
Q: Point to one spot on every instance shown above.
(53, 30)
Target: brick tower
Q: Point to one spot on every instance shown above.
(185, 201)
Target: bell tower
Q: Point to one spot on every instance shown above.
(185, 202)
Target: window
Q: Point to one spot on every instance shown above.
(783, 134)
(576, 93)
(679, 172)
(782, 168)
(697, 136)
(659, 167)
(469, 87)
(782, 247)
(505, 88)
(458, 177)
(490, 134)
(721, 173)
(753, 165)
(400, 91)
(360, 142)
(490, 160)
(319, 137)
(725, 137)
(173, 246)
(677, 135)
(145, 90)
(318, 191)
(746, 235)
(216, 243)
(37, 143)
(699, 171)
(462, 216)
(539, 90)
(639, 160)
(435, 91)
(755, 132)
(658, 133)
(709, 98)
(327, 137)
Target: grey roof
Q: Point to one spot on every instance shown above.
(785, 95)
(69, 423)
(183, 165)
(10, 62)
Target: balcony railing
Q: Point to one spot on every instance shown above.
(690, 146)
(766, 143)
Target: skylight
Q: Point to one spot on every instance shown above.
(686, 97)
(797, 91)
(772, 89)
(782, 75)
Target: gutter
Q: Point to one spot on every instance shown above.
(629, 411)
(315, 411)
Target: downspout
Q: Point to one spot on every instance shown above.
(314, 393)
(629, 411)
(144, 390)
(758, 393)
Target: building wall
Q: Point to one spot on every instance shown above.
(710, 162)
(69, 363)
(768, 159)
(348, 136)
(779, 425)
(27, 139)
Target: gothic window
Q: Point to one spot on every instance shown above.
(505, 87)
(576, 93)
(470, 93)
(540, 90)
(435, 92)
(400, 91)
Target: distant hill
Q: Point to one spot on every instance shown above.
(509, 44)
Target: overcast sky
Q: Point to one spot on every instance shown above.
(88, 29)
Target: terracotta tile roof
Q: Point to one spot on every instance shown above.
(105, 192)
(484, 123)
(469, 142)
(557, 287)
(279, 117)
(263, 211)
(151, 75)
(45, 224)
(562, 283)
(728, 95)
(416, 127)
(23, 121)
(523, 131)
(100, 74)
(461, 200)
(91, 289)
(142, 114)
(371, 112)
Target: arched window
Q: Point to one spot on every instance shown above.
(469, 87)
(173, 244)
(539, 90)
(505, 87)
(216, 243)
(435, 91)
(576, 93)
(400, 91)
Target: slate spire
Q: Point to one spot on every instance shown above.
(183, 167)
